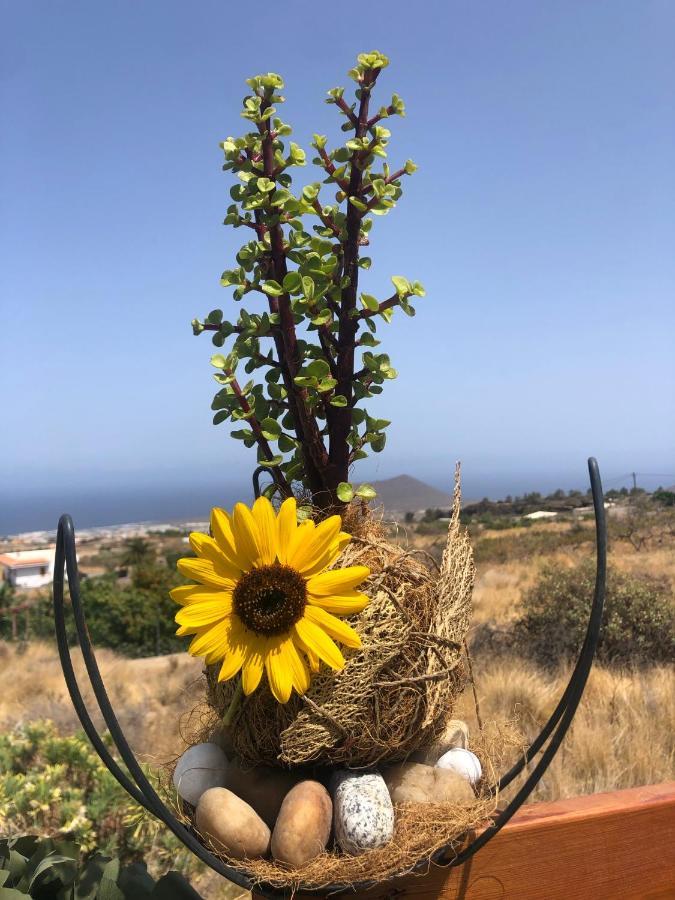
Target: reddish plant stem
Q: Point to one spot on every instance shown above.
(327, 221)
(386, 304)
(261, 440)
(340, 418)
(307, 430)
(395, 177)
(342, 104)
(330, 168)
(376, 119)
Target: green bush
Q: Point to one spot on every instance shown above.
(46, 869)
(525, 545)
(638, 626)
(135, 619)
(58, 787)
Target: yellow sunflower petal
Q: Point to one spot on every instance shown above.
(300, 536)
(236, 650)
(246, 535)
(206, 548)
(321, 563)
(287, 524)
(314, 640)
(337, 581)
(300, 673)
(348, 603)
(266, 520)
(279, 673)
(342, 540)
(253, 666)
(312, 659)
(204, 571)
(205, 611)
(312, 545)
(221, 528)
(212, 639)
(196, 593)
(333, 626)
(182, 594)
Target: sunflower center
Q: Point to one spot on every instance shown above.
(271, 599)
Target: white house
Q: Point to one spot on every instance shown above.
(28, 568)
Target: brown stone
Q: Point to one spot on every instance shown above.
(411, 782)
(262, 787)
(230, 825)
(303, 825)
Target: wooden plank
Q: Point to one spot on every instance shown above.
(613, 846)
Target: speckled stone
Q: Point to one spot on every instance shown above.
(363, 814)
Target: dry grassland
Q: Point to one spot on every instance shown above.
(623, 734)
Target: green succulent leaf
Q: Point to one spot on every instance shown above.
(345, 492)
(366, 492)
(273, 288)
(402, 285)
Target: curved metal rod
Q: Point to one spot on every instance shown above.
(592, 632)
(561, 719)
(144, 793)
(65, 544)
(143, 790)
(256, 480)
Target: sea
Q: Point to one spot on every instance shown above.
(95, 508)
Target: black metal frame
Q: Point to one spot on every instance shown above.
(142, 791)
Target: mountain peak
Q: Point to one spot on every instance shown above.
(407, 494)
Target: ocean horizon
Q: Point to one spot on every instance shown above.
(96, 508)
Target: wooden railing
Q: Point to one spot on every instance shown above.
(614, 846)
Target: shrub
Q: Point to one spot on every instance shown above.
(136, 620)
(525, 545)
(57, 787)
(638, 625)
(43, 868)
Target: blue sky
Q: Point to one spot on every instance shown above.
(541, 221)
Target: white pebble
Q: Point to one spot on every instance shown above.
(464, 762)
(200, 768)
(363, 814)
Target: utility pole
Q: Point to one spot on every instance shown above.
(634, 481)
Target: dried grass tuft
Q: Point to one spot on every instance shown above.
(420, 829)
(396, 692)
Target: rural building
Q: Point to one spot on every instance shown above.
(541, 514)
(28, 568)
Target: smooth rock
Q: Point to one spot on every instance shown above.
(464, 762)
(201, 767)
(262, 787)
(411, 782)
(363, 814)
(303, 825)
(230, 825)
(456, 734)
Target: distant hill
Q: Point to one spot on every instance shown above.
(404, 493)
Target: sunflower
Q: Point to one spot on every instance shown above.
(266, 600)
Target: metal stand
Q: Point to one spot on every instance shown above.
(142, 791)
